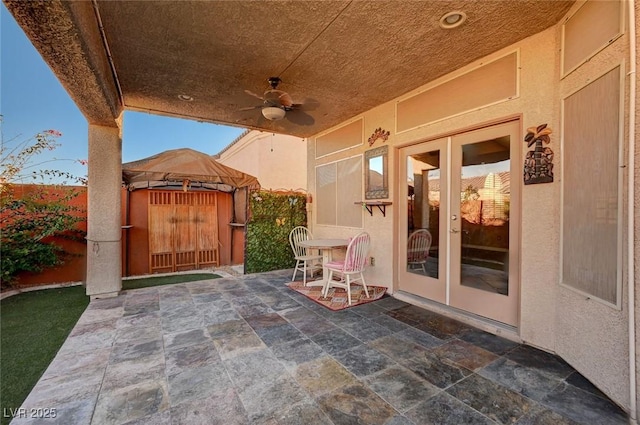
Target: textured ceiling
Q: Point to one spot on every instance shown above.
(338, 58)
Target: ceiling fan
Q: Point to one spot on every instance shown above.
(276, 104)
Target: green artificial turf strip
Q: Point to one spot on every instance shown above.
(33, 327)
(166, 280)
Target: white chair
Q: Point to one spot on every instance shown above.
(303, 258)
(351, 267)
(418, 246)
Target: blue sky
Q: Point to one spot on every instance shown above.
(32, 100)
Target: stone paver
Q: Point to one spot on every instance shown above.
(247, 350)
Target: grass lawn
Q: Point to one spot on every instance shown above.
(33, 326)
(146, 282)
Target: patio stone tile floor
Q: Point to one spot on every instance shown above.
(248, 350)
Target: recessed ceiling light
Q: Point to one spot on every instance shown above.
(185, 97)
(452, 19)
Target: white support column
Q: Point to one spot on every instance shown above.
(104, 232)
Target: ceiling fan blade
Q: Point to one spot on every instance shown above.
(278, 98)
(285, 100)
(250, 108)
(250, 93)
(308, 104)
(271, 102)
(300, 117)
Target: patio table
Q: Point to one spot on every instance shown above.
(326, 246)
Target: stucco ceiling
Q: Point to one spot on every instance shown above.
(338, 58)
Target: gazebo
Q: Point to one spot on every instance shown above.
(183, 210)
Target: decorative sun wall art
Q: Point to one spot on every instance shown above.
(379, 133)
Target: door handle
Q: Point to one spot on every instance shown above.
(454, 231)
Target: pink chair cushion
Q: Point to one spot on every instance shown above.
(351, 260)
(350, 263)
(337, 264)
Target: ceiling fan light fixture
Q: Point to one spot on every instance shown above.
(273, 113)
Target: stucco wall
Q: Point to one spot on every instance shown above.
(380, 228)
(589, 335)
(277, 160)
(540, 209)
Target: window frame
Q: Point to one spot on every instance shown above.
(620, 186)
(347, 203)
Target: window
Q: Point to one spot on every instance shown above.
(338, 186)
(340, 139)
(591, 190)
(487, 84)
(594, 26)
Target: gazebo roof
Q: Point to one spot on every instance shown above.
(184, 166)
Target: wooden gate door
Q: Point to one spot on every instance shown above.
(161, 251)
(207, 241)
(183, 230)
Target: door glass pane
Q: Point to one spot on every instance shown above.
(484, 215)
(423, 179)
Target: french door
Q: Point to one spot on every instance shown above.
(459, 225)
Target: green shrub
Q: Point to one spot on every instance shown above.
(272, 216)
(33, 217)
(30, 224)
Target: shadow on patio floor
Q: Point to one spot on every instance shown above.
(242, 350)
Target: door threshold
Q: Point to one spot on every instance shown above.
(482, 323)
